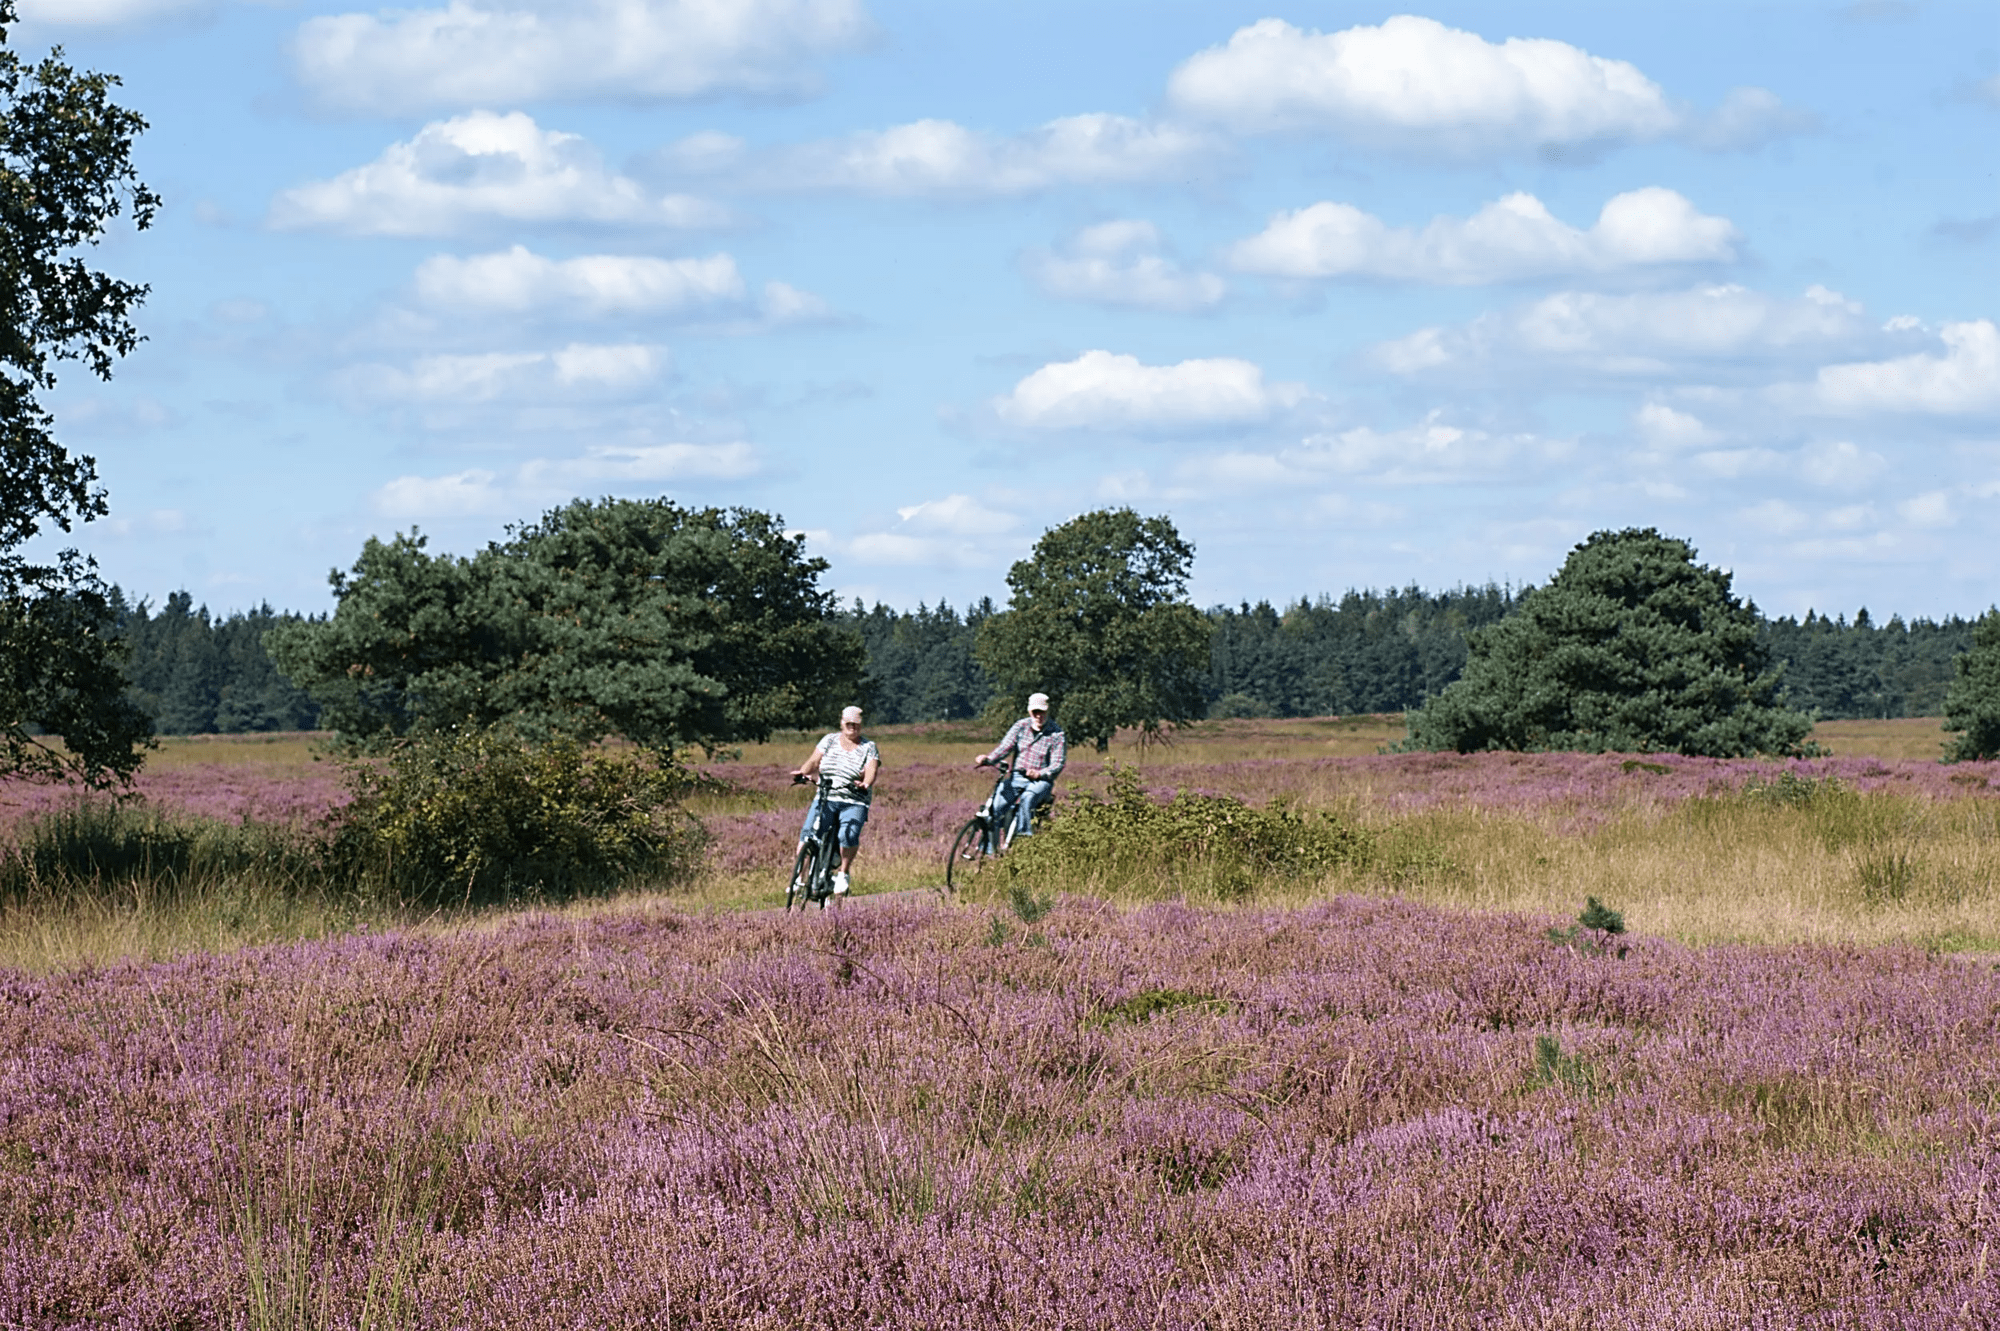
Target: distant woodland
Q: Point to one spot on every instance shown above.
(1368, 651)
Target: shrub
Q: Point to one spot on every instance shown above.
(1194, 842)
(1240, 707)
(475, 816)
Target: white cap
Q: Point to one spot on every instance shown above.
(1038, 702)
(849, 714)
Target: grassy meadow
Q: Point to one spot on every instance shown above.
(1877, 843)
(1400, 1088)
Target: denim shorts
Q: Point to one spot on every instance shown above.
(851, 816)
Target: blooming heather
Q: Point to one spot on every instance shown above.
(1364, 1113)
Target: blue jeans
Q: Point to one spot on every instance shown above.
(1024, 795)
(851, 817)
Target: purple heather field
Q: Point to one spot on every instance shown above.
(902, 1115)
(921, 804)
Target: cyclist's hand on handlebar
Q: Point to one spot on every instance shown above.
(982, 761)
(800, 778)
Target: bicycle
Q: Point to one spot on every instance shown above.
(987, 834)
(811, 882)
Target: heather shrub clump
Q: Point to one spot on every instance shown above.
(475, 816)
(1193, 844)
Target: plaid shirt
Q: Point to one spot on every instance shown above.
(1043, 754)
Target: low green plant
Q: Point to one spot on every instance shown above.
(1193, 844)
(1552, 1067)
(1595, 928)
(1789, 790)
(473, 816)
(1149, 1003)
(1027, 906)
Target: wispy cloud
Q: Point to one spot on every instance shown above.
(480, 169)
(1122, 264)
(475, 53)
(1513, 239)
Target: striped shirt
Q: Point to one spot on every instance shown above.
(844, 768)
(1042, 752)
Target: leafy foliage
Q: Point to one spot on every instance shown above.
(1632, 647)
(1972, 707)
(475, 816)
(1099, 621)
(60, 675)
(638, 618)
(1210, 843)
(65, 173)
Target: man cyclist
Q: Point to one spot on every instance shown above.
(1039, 749)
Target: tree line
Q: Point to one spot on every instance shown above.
(195, 673)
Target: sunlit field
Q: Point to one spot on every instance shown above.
(1891, 847)
(1408, 1091)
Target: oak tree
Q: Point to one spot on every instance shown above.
(65, 173)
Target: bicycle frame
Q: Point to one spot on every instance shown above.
(819, 853)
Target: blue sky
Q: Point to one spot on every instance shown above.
(1358, 296)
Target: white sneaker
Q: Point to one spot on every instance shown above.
(840, 884)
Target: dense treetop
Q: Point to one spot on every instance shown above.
(1632, 647)
(1099, 620)
(664, 625)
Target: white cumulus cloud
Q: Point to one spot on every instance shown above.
(484, 168)
(1512, 239)
(1100, 390)
(1122, 264)
(1415, 83)
(1722, 330)
(1964, 379)
(518, 281)
(939, 157)
(486, 52)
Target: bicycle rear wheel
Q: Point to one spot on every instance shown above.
(968, 855)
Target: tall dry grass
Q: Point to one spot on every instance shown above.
(1683, 853)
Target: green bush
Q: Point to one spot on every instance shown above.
(108, 848)
(470, 816)
(1192, 845)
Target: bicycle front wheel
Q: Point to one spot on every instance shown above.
(968, 855)
(799, 887)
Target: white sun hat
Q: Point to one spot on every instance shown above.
(1038, 702)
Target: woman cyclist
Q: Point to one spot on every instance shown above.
(850, 763)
